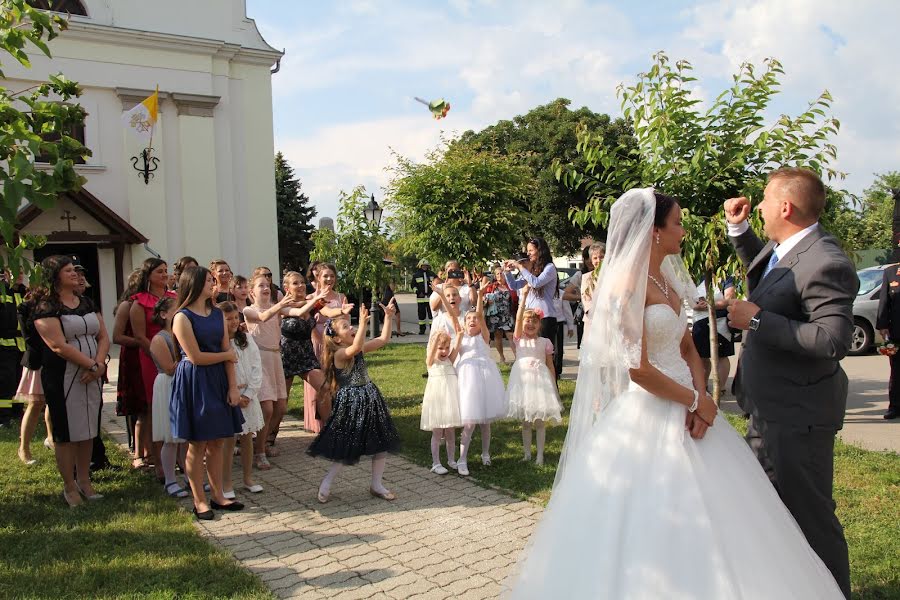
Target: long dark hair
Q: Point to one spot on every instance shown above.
(190, 286)
(52, 265)
(182, 264)
(544, 259)
(148, 266)
(240, 337)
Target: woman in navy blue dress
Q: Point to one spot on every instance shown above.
(204, 408)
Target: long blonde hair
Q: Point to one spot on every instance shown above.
(331, 347)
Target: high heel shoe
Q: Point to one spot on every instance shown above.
(229, 506)
(206, 515)
(70, 502)
(93, 497)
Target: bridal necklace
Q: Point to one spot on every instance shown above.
(663, 289)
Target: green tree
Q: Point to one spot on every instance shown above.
(294, 215)
(702, 157)
(357, 247)
(460, 203)
(29, 120)
(544, 135)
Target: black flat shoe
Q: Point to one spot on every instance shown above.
(892, 414)
(229, 506)
(206, 515)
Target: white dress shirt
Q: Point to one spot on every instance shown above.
(780, 249)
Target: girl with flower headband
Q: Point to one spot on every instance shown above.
(481, 394)
(531, 393)
(359, 422)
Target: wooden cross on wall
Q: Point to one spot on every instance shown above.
(68, 217)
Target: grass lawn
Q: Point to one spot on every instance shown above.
(135, 543)
(867, 484)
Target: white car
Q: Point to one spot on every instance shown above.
(865, 309)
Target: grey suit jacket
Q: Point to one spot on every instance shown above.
(789, 370)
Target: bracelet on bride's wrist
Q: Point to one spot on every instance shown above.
(695, 403)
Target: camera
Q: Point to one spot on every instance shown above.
(455, 274)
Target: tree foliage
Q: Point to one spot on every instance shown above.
(460, 203)
(868, 223)
(357, 247)
(29, 120)
(702, 157)
(545, 135)
(294, 215)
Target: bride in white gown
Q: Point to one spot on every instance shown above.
(650, 501)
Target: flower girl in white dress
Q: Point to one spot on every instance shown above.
(531, 392)
(440, 404)
(481, 395)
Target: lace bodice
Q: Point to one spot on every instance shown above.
(663, 332)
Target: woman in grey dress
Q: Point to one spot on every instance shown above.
(73, 366)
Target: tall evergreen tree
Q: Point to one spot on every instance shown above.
(295, 217)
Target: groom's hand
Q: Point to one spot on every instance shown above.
(737, 210)
(740, 312)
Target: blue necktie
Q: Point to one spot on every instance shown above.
(773, 260)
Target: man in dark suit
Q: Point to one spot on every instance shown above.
(798, 322)
(422, 278)
(888, 322)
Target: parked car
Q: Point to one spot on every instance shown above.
(865, 309)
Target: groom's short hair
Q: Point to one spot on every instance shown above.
(805, 188)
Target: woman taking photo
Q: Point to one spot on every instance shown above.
(539, 272)
(73, 367)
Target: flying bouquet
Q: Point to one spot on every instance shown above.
(439, 108)
(887, 349)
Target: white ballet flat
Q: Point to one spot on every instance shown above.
(254, 489)
(229, 495)
(439, 469)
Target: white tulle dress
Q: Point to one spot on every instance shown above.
(482, 398)
(531, 392)
(646, 512)
(440, 403)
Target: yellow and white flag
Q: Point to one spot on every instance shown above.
(141, 119)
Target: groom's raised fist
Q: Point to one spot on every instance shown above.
(737, 210)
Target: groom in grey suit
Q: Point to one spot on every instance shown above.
(798, 322)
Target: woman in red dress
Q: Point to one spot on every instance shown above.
(153, 285)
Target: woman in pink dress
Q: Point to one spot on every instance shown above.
(335, 304)
(154, 282)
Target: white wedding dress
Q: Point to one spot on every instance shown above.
(644, 511)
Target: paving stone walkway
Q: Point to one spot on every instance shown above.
(444, 536)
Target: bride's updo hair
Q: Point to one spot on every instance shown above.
(664, 205)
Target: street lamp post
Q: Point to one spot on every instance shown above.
(373, 214)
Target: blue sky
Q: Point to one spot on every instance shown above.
(344, 96)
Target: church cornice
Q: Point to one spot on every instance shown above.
(104, 34)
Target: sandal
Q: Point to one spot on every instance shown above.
(272, 452)
(261, 462)
(176, 491)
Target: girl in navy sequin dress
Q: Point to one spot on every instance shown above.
(360, 423)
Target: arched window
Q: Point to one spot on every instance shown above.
(73, 7)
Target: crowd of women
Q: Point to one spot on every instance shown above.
(207, 360)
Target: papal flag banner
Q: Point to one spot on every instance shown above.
(141, 119)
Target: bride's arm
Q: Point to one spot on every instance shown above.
(696, 425)
(659, 384)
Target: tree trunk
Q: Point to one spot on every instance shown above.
(713, 336)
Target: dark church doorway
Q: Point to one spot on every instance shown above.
(87, 255)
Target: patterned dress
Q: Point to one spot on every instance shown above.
(74, 406)
(360, 423)
(297, 353)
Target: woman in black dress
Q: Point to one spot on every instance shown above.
(298, 357)
(73, 367)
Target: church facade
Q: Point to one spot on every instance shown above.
(211, 191)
